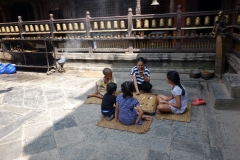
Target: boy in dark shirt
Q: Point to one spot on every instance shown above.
(108, 101)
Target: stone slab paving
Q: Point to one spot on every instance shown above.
(35, 126)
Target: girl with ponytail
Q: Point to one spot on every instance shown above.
(178, 101)
(128, 110)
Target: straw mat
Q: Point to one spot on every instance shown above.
(119, 126)
(95, 100)
(185, 117)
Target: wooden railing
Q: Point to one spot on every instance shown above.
(131, 33)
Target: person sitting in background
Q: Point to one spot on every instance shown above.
(141, 76)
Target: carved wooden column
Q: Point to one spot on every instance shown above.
(220, 56)
(130, 26)
(72, 13)
(88, 28)
(52, 25)
(117, 8)
(20, 25)
(171, 7)
(138, 7)
(178, 28)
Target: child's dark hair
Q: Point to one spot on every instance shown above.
(127, 89)
(106, 71)
(111, 87)
(174, 77)
(141, 59)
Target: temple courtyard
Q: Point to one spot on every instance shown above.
(35, 124)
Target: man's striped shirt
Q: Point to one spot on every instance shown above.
(134, 72)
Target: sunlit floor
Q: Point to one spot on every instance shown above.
(35, 125)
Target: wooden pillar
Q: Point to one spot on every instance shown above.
(138, 7)
(130, 26)
(20, 25)
(220, 56)
(117, 8)
(178, 28)
(88, 24)
(88, 28)
(52, 25)
(171, 6)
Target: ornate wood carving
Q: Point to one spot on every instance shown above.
(179, 24)
(130, 26)
(171, 7)
(138, 8)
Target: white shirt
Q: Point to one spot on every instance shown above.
(177, 91)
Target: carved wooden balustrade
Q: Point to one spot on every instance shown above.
(151, 33)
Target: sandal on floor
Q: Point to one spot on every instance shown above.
(198, 102)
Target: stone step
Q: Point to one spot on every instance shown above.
(232, 82)
(219, 96)
(234, 62)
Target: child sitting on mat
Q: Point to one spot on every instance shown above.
(108, 101)
(178, 101)
(102, 83)
(128, 110)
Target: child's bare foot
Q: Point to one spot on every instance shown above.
(147, 118)
(158, 112)
(89, 96)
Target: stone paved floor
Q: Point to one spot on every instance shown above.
(34, 125)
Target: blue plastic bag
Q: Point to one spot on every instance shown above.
(2, 68)
(10, 69)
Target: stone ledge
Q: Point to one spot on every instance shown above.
(232, 82)
(219, 96)
(133, 56)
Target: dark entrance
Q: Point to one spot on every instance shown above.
(23, 9)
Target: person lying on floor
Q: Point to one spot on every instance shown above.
(178, 101)
(128, 110)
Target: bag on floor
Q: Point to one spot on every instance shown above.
(10, 69)
(2, 68)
